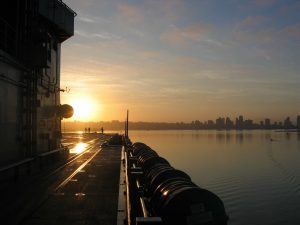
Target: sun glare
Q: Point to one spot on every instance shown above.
(80, 147)
(82, 109)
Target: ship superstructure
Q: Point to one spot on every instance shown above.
(31, 34)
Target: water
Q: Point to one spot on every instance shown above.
(256, 173)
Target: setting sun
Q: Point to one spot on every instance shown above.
(83, 109)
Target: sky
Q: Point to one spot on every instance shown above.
(183, 60)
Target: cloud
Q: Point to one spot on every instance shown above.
(252, 21)
(172, 35)
(101, 35)
(176, 35)
(292, 31)
(195, 31)
(82, 33)
(171, 9)
(210, 74)
(91, 19)
(78, 5)
(264, 2)
(85, 19)
(254, 29)
(130, 14)
(273, 36)
(290, 9)
(107, 36)
(253, 5)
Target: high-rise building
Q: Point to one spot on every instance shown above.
(261, 124)
(229, 123)
(241, 119)
(287, 123)
(239, 122)
(220, 123)
(267, 123)
(32, 32)
(210, 124)
(248, 124)
(298, 122)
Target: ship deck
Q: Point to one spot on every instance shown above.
(88, 197)
(85, 191)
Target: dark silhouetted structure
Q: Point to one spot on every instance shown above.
(288, 124)
(193, 125)
(239, 122)
(267, 124)
(31, 33)
(229, 123)
(220, 123)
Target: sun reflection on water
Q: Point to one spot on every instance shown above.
(80, 147)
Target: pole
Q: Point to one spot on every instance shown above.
(125, 128)
(127, 123)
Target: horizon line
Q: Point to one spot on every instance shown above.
(201, 121)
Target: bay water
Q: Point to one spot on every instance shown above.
(255, 173)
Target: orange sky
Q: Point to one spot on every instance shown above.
(176, 60)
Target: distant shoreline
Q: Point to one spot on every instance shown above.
(120, 130)
(220, 124)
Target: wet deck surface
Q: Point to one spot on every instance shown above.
(89, 197)
(84, 191)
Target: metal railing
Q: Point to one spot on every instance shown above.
(27, 164)
(137, 212)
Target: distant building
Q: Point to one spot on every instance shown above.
(229, 123)
(239, 122)
(267, 124)
(198, 124)
(298, 122)
(210, 124)
(261, 124)
(287, 123)
(220, 123)
(248, 124)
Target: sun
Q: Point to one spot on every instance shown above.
(83, 109)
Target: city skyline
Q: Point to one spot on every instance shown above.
(220, 123)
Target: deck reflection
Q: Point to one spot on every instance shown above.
(79, 148)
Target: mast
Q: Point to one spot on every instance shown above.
(126, 125)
